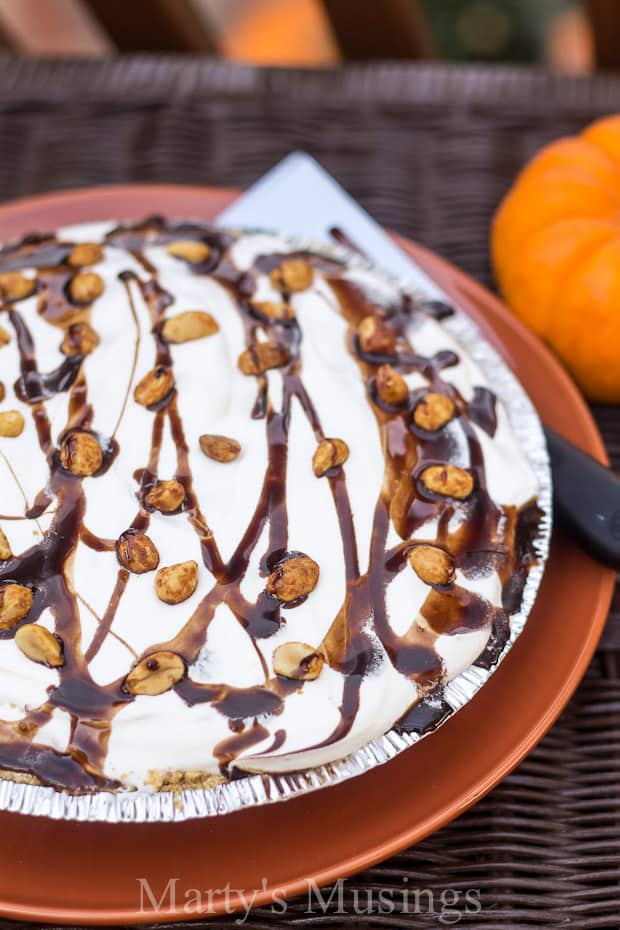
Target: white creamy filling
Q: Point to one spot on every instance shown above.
(312, 715)
(161, 732)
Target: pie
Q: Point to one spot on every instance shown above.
(256, 505)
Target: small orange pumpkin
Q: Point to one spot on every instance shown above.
(555, 244)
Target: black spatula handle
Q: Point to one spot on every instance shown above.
(587, 498)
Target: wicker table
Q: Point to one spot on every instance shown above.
(429, 151)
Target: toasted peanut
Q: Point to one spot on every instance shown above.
(433, 411)
(136, 552)
(448, 480)
(155, 674)
(220, 448)
(432, 564)
(5, 548)
(330, 453)
(16, 286)
(262, 356)
(165, 496)
(293, 578)
(85, 287)
(193, 324)
(12, 423)
(154, 386)
(15, 603)
(375, 336)
(274, 310)
(79, 339)
(190, 250)
(298, 661)
(293, 274)
(5, 337)
(80, 454)
(391, 387)
(40, 645)
(175, 583)
(85, 253)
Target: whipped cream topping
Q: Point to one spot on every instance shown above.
(142, 687)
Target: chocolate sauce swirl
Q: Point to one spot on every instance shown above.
(479, 536)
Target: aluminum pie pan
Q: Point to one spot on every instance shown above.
(150, 806)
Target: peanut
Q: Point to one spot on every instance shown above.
(80, 454)
(190, 325)
(12, 423)
(330, 453)
(298, 661)
(16, 286)
(154, 386)
(175, 583)
(391, 386)
(190, 250)
(274, 310)
(219, 448)
(85, 287)
(432, 564)
(165, 496)
(293, 274)
(448, 481)
(15, 604)
(293, 578)
(136, 552)
(79, 339)
(85, 253)
(433, 411)
(155, 674)
(261, 357)
(5, 547)
(40, 645)
(375, 336)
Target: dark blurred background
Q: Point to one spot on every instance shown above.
(568, 36)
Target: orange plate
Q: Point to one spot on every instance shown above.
(88, 873)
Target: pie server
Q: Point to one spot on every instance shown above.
(586, 497)
(298, 195)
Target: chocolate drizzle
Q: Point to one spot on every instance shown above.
(481, 410)
(486, 539)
